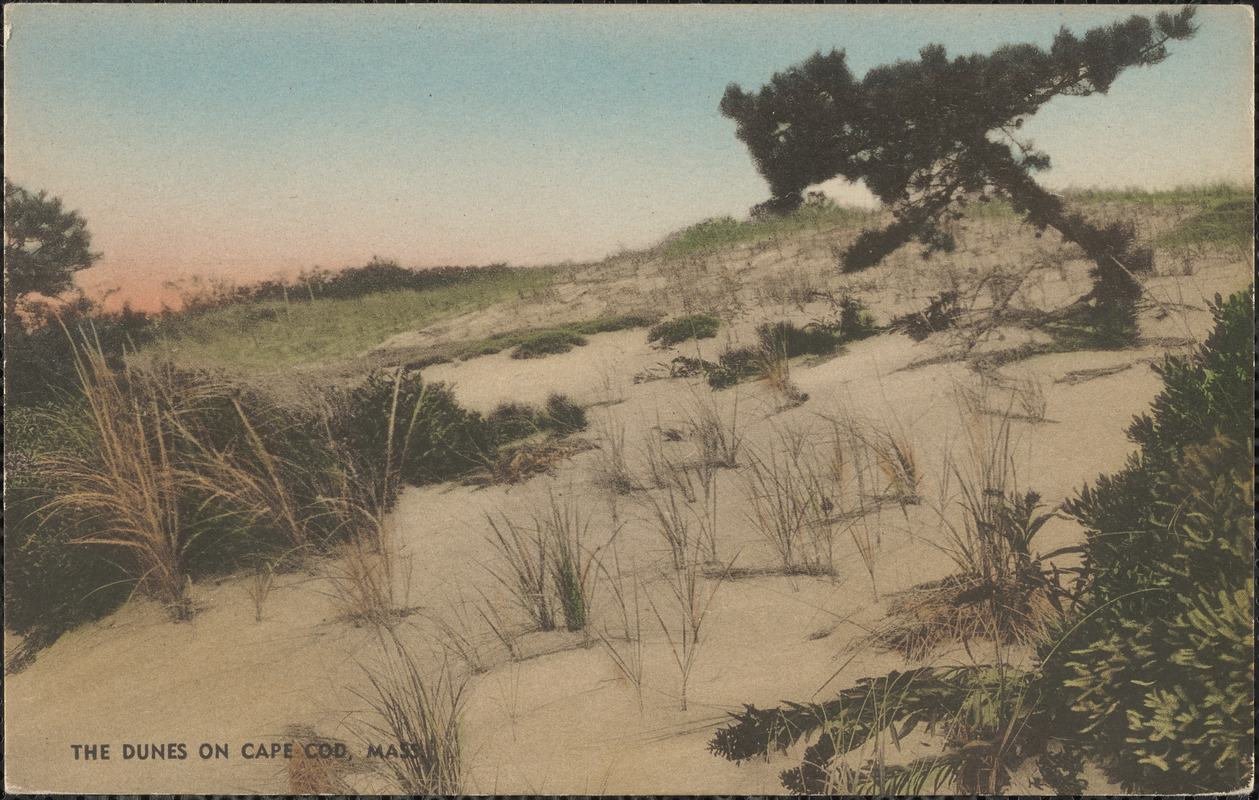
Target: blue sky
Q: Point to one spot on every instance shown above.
(243, 141)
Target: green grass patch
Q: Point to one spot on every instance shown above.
(542, 342)
(1227, 222)
(1191, 195)
(692, 326)
(715, 233)
(273, 334)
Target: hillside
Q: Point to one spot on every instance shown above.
(749, 544)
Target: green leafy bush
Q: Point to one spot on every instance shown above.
(432, 438)
(692, 326)
(1161, 658)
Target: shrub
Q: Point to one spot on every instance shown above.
(1161, 658)
(433, 439)
(692, 326)
(735, 366)
(563, 416)
(545, 343)
(977, 709)
(542, 342)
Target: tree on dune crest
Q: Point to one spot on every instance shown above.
(931, 135)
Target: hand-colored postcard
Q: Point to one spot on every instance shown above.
(628, 400)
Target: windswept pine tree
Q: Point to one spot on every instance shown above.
(931, 135)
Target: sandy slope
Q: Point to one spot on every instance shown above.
(563, 718)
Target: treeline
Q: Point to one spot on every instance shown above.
(378, 275)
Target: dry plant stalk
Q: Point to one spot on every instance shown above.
(127, 482)
(422, 715)
(692, 604)
(626, 650)
(718, 436)
(260, 582)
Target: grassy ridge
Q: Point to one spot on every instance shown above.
(726, 231)
(273, 334)
(1227, 222)
(1182, 196)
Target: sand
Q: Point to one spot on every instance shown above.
(562, 717)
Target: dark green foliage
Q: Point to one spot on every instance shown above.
(818, 338)
(378, 275)
(692, 326)
(433, 438)
(1161, 658)
(39, 363)
(783, 340)
(50, 585)
(976, 707)
(43, 246)
(512, 422)
(927, 136)
(262, 493)
(548, 341)
(941, 313)
(1107, 326)
(545, 343)
(734, 366)
(563, 416)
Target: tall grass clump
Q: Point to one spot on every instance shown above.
(155, 476)
(685, 611)
(419, 717)
(550, 567)
(797, 501)
(1002, 591)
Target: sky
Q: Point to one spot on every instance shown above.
(244, 142)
